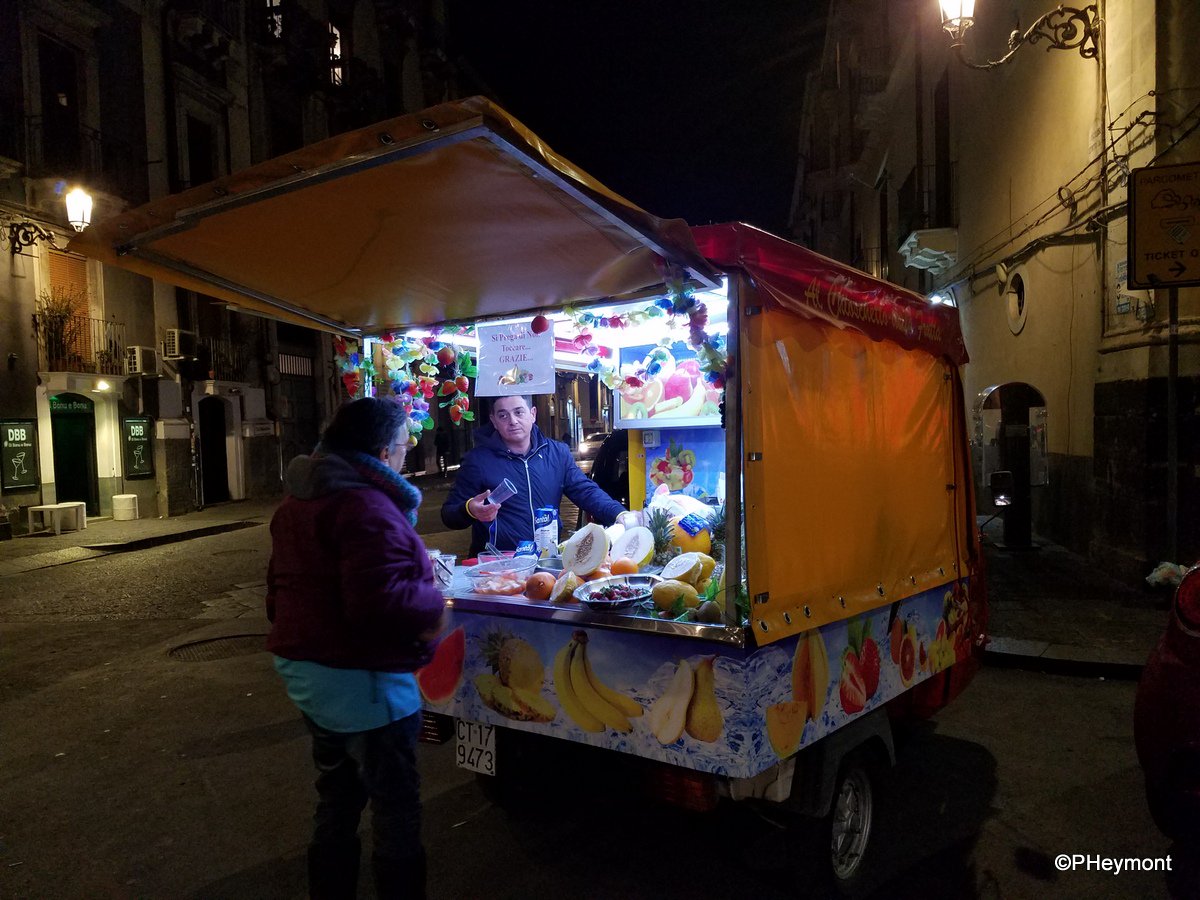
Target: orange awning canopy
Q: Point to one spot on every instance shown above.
(456, 212)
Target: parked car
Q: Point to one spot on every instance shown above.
(1166, 721)
(586, 452)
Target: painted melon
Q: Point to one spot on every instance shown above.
(439, 679)
(785, 726)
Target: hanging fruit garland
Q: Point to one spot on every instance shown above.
(711, 351)
(412, 375)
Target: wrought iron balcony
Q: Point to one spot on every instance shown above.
(79, 344)
(83, 153)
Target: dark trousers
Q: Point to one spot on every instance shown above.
(380, 766)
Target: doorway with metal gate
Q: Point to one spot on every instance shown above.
(73, 437)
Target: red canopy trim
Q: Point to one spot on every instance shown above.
(813, 285)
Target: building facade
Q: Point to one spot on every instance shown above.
(115, 385)
(1003, 189)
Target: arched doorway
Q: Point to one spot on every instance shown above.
(73, 436)
(1011, 420)
(214, 459)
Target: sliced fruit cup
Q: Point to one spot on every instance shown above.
(503, 576)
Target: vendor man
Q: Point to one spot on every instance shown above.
(541, 470)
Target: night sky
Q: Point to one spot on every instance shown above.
(689, 109)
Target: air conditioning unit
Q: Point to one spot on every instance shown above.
(179, 344)
(141, 361)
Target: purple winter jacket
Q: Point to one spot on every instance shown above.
(349, 584)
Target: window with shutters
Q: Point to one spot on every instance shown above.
(64, 312)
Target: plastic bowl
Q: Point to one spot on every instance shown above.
(501, 576)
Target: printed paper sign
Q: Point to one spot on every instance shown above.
(513, 360)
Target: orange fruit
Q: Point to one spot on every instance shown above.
(539, 585)
(624, 566)
(602, 572)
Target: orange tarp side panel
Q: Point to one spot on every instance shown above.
(457, 212)
(856, 499)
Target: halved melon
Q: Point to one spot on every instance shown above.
(785, 726)
(438, 679)
(636, 543)
(586, 550)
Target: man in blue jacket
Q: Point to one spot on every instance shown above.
(542, 470)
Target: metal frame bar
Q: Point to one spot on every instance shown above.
(388, 153)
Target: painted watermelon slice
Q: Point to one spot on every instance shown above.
(439, 679)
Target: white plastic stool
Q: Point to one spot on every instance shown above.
(125, 507)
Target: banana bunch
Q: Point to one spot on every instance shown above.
(587, 700)
(810, 673)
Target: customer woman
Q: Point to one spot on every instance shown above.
(354, 611)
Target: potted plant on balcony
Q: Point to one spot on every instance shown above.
(60, 327)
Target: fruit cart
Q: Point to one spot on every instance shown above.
(809, 561)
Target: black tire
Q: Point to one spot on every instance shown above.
(849, 828)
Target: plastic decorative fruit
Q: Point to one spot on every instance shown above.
(446, 356)
(684, 567)
(539, 325)
(448, 388)
(637, 544)
(667, 593)
(438, 680)
(683, 538)
(539, 585)
(462, 382)
(584, 553)
(785, 726)
(565, 587)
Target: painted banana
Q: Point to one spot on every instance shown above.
(589, 698)
(566, 693)
(626, 705)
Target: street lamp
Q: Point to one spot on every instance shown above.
(1064, 28)
(79, 208)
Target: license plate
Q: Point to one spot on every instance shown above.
(475, 746)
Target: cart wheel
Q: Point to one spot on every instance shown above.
(849, 826)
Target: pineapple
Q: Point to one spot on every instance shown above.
(515, 661)
(716, 530)
(660, 524)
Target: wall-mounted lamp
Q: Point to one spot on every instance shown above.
(79, 208)
(1065, 28)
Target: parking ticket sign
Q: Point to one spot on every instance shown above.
(1164, 226)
